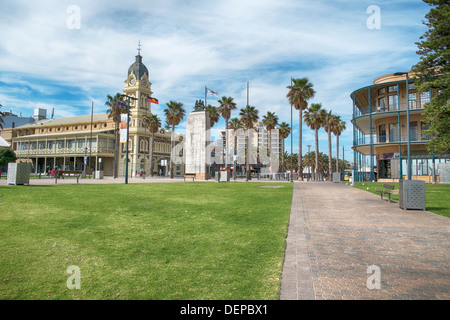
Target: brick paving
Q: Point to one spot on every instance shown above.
(337, 232)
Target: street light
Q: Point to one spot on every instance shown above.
(292, 132)
(309, 167)
(408, 137)
(128, 134)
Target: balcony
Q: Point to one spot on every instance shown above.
(413, 105)
(64, 151)
(388, 139)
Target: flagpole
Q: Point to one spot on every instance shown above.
(206, 103)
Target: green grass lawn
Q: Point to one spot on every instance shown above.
(437, 196)
(144, 241)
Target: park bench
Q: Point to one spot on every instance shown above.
(69, 172)
(189, 176)
(386, 189)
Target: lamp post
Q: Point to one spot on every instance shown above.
(290, 176)
(128, 134)
(309, 167)
(408, 137)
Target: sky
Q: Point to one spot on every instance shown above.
(66, 55)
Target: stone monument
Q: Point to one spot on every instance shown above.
(198, 136)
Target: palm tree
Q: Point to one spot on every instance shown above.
(213, 115)
(174, 114)
(270, 120)
(226, 105)
(249, 115)
(299, 93)
(339, 127)
(235, 124)
(329, 121)
(114, 112)
(284, 132)
(314, 119)
(152, 122)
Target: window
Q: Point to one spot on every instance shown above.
(80, 143)
(60, 144)
(413, 130)
(424, 98)
(412, 100)
(393, 102)
(392, 89)
(393, 132)
(424, 127)
(411, 86)
(382, 133)
(381, 91)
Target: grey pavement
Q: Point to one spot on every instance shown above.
(345, 243)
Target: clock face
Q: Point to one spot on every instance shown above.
(133, 81)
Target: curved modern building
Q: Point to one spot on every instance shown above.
(380, 131)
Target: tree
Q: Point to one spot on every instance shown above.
(270, 120)
(174, 114)
(6, 156)
(284, 131)
(226, 105)
(213, 115)
(235, 124)
(299, 93)
(114, 112)
(329, 122)
(338, 128)
(249, 115)
(321, 166)
(153, 123)
(433, 71)
(314, 119)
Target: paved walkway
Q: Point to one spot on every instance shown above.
(341, 240)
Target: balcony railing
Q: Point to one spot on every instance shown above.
(413, 105)
(365, 140)
(72, 152)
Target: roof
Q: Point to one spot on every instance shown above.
(138, 68)
(66, 121)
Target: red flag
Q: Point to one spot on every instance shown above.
(152, 100)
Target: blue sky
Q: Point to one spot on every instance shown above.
(189, 44)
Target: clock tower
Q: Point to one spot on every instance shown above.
(137, 85)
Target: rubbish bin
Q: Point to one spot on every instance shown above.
(98, 174)
(336, 177)
(224, 176)
(19, 173)
(411, 194)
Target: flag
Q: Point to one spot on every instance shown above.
(211, 92)
(121, 103)
(152, 100)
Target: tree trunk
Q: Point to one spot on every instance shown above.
(226, 144)
(247, 159)
(151, 154)
(337, 153)
(116, 151)
(316, 133)
(300, 156)
(172, 141)
(330, 156)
